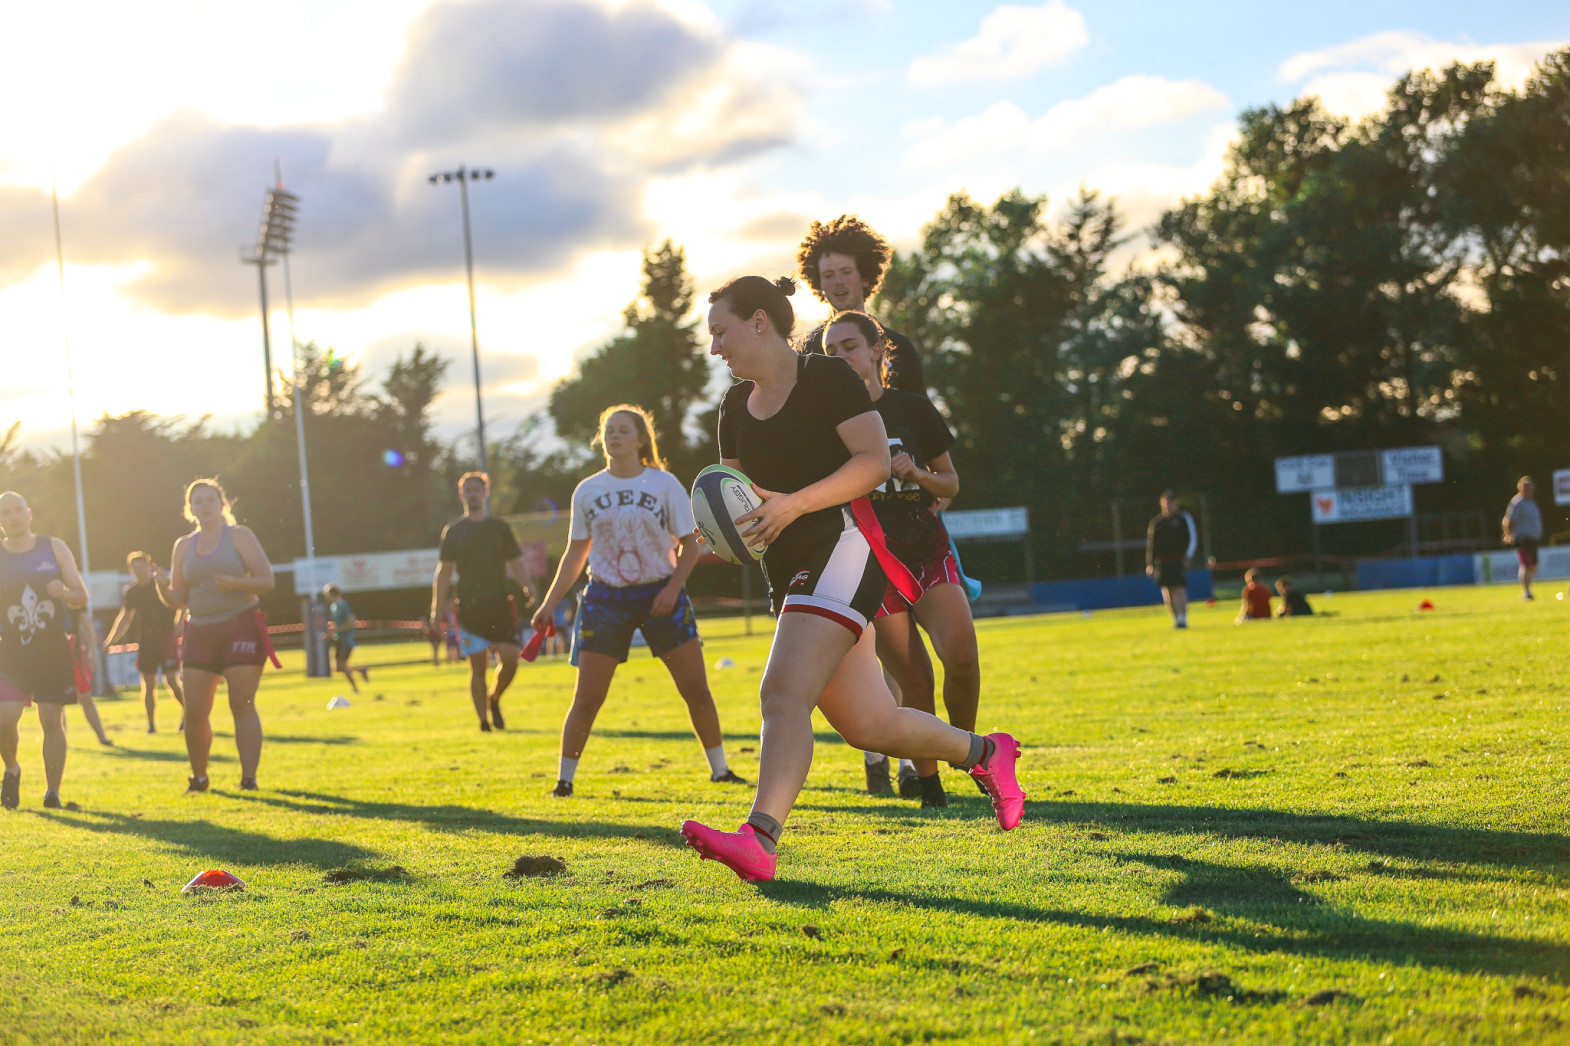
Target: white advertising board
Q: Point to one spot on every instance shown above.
(1413, 465)
(1312, 472)
(1358, 504)
(1499, 568)
(373, 571)
(988, 523)
(1562, 487)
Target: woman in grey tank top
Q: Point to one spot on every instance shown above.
(219, 572)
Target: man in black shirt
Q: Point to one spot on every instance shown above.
(483, 550)
(1169, 548)
(143, 609)
(844, 262)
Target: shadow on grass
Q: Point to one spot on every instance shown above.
(121, 752)
(287, 739)
(449, 817)
(1268, 918)
(825, 737)
(218, 843)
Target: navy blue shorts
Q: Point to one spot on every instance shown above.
(608, 616)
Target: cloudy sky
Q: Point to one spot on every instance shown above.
(726, 125)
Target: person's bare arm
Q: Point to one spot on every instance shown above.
(121, 625)
(938, 479)
(665, 600)
(176, 594)
(72, 588)
(520, 574)
(573, 557)
(868, 442)
(441, 590)
(258, 579)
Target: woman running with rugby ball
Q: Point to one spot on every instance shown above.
(217, 573)
(922, 472)
(803, 428)
(628, 521)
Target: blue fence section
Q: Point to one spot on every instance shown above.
(1103, 593)
(1424, 572)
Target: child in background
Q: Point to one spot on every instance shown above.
(1293, 602)
(1256, 599)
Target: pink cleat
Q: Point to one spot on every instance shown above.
(739, 851)
(996, 775)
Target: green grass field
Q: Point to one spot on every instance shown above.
(1344, 829)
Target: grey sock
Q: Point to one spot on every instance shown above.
(980, 748)
(767, 829)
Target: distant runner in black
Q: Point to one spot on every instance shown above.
(144, 610)
(1169, 548)
(844, 262)
(483, 551)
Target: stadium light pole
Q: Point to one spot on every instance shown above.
(463, 176)
(99, 657)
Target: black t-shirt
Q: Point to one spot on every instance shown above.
(153, 620)
(1297, 604)
(481, 548)
(915, 427)
(904, 362)
(799, 445)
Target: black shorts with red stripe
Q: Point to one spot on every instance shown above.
(838, 578)
(941, 569)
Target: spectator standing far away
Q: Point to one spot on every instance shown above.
(1523, 527)
(1170, 541)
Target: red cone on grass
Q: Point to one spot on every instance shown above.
(1426, 605)
(214, 879)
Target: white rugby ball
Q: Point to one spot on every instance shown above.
(719, 495)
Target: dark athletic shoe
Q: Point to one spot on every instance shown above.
(932, 794)
(247, 784)
(485, 726)
(51, 800)
(909, 783)
(195, 784)
(496, 714)
(10, 790)
(729, 778)
(878, 777)
(563, 790)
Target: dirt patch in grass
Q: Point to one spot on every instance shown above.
(535, 866)
(1209, 984)
(396, 873)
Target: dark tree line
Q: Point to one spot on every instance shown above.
(1396, 281)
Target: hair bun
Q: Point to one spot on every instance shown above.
(786, 285)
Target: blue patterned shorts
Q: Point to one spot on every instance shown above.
(608, 616)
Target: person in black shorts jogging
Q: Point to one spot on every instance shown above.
(803, 428)
(922, 472)
(632, 525)
(143, 608)
(39, 588)
(340, 618)
(484, 551)
(1169, 548)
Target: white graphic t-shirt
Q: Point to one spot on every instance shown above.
(633, 525)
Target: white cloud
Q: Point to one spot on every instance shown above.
(1012, 42)
(1003, 129)
(1351, 78)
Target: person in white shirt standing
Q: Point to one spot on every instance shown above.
(632, 525)
(1523, 527)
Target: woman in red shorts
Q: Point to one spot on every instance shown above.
(804, 430)
(218, 572)
(921, 472)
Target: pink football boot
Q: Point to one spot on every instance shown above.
(996, 775)
(739, 851)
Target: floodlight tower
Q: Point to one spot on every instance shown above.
(463, 176)
(272, 240)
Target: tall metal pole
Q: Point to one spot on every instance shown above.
(474, 328)
(267, 342)
(76, 450)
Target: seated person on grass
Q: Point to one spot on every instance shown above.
(1293, 602)
(1256, 600)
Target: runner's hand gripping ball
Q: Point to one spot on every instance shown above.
(719, 495)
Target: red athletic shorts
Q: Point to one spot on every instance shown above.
(942, 569)
(239, 640)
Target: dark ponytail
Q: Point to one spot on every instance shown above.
(746, 295)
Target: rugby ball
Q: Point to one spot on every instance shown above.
(719, 495)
